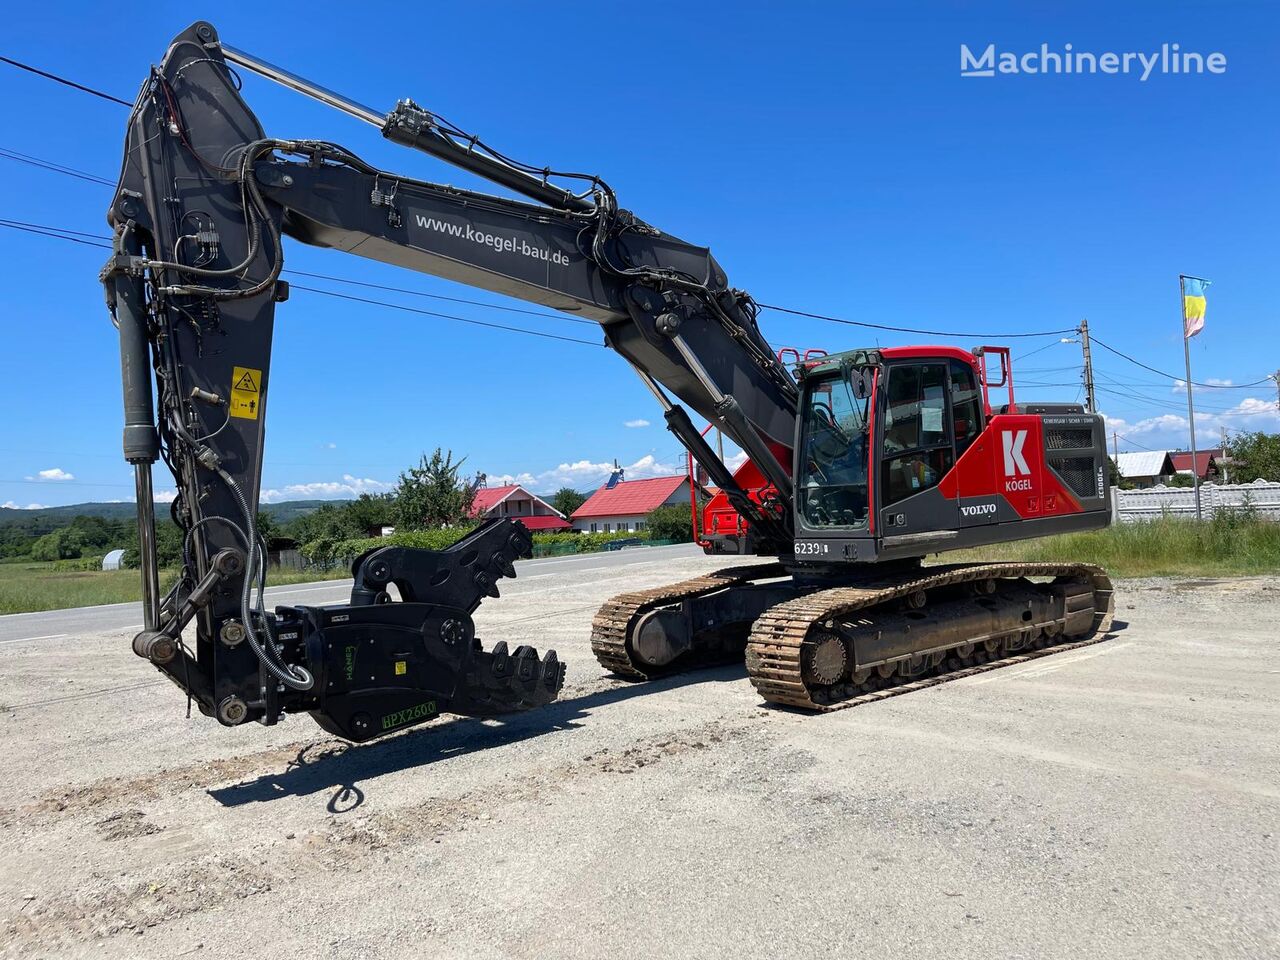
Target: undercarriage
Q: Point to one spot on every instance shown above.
(823, 645)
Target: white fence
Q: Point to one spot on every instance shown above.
(1260, 496)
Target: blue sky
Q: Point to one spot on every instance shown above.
(829, 153)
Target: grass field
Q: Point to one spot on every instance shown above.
(1228, 545)
(25, 587)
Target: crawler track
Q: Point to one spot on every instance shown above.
(782, 637)
(613, 623)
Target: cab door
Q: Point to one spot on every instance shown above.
(917, 449)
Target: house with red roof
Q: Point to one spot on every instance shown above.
(1207, 462)
(516, 502)
(623, 504)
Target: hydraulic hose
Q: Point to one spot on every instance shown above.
(292, 676)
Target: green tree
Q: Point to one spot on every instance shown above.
(330, 521)
(168, 544)
(64, 544)
(1254, 456)
(371, 510)
(268, 529)
(669, 523)
(567, 500)
(432, 494)
(94, 532)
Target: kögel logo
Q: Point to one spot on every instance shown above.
(978, 510)
(1014, 462)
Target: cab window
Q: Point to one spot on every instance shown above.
(917, 438)
(966, 406)
(833, 473)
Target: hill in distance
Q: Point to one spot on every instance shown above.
(51, 518)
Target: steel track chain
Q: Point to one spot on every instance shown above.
(612, 624)
(774, 647)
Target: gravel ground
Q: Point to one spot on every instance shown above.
(1122, 800)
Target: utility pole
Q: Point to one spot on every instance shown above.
(1226, 478)
(1277, 378)
(1115, 448)
(1088, 367)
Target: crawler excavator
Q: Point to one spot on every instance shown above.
(860, 463)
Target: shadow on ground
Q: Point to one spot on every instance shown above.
(338, 766)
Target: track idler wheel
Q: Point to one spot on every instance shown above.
(826, 659)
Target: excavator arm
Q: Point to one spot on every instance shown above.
(205, 201)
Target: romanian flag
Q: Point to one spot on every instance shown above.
(1193, 303)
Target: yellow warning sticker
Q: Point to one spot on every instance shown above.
(246, 392)
(402, 667)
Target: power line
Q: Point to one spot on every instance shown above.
(1045, 347)
(1160, 401)
(444, 316)
(1177, 408)
(1197, 383)
(8, 154)
(46, 232)
(63, 80)
(1134, 443)
(62, 233)
(58, 234)
(925, 333)
(437, 296)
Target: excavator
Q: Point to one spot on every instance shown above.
(860, 464)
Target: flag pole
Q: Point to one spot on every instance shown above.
(1191, 412)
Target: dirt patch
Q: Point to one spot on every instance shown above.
(127, 825)
(197, 776)
(104, 906)
(439, 816)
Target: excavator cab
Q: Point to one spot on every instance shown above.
(899, 453)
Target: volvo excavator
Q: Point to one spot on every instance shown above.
(860, 463)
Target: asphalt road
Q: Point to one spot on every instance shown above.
(1116, 801)
(77, 621)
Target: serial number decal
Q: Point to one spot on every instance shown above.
(811, 548)
(423, 711)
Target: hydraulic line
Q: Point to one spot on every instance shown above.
(293, 676)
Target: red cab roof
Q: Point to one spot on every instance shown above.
(629, 497)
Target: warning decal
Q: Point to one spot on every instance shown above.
(246, 393)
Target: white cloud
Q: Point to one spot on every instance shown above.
(331, 445)
(345, 488)
(1169, 431)
(584, 474)
(10, 505)
(736, 460)
(1254, 407)
(633, 424)
(165, 496)
(53, 473)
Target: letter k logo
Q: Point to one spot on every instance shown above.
(1014, 462)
